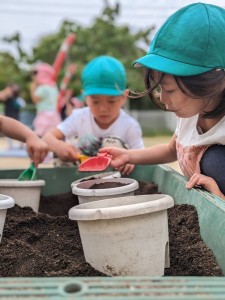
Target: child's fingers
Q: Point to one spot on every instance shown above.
(38, 157)
(126, 170)
(194, 180)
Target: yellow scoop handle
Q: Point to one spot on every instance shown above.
(82, 157)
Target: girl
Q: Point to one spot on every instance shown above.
(185, 74)
(44, 94)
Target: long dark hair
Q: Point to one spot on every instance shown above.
(209, 85)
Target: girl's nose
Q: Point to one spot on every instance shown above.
(164, 99)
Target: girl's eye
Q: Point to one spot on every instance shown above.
(170, 92)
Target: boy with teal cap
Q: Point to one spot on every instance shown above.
(185, 74)
(103, 121)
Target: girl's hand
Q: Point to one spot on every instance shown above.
(36, 148)
(206, 182)
(119, 156)
(127, 169)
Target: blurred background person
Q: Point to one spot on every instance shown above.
(71, 102)
(44, 94)
(13, 103)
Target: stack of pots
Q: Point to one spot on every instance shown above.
(122, 234)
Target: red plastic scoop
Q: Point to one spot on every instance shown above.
(95, 164)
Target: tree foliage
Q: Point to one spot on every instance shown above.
(102, 37)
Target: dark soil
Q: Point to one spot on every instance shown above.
(106, 185)
(48, 243)
(189, 255)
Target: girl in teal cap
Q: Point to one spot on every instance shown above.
(185, 74)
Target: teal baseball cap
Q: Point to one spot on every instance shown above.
(190, 42)
(104, 75)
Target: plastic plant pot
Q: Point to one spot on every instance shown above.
(127, 236)
(25, 193)
(86, 193)
(106, 175)
(5, 203)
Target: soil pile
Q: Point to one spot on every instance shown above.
(48, 243)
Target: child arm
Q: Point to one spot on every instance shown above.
(159, 154)
(55, 141)
(34, 97)
(36, 148)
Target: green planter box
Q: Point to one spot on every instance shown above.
(211, 214)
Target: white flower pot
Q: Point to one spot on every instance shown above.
(127, 236)
(25, 193)
(106, 175)
(5, 203)
(87, 194)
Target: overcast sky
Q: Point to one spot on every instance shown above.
(35, 18)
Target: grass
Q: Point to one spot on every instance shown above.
(155, 133)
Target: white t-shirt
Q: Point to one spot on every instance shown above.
(188, 134)
(81, 123)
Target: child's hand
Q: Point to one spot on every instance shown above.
(36, 148)
(206, 182)
(119, 156)
(127, 169)
(66, 152)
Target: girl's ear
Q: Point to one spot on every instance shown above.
(126, 93)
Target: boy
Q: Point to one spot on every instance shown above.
(104, 88)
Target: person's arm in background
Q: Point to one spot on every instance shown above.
(5, 94)
(33, 86)
(55, 141)
(36, 148)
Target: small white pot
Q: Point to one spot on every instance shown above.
(5, 203)
(87, 194)
(127, 236)
(25, 193)
(106, 175)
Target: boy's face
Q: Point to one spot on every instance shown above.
(105, 109)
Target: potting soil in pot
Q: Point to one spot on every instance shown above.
(48, 243)
(106, 185)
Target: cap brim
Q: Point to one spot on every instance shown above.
(165, 65)
(103, 91)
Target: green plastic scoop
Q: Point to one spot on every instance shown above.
(29, 174)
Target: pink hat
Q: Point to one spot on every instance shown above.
(45, 74)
